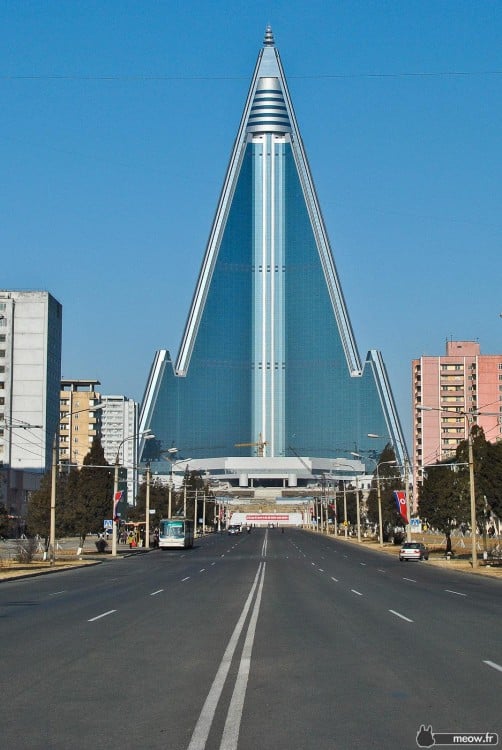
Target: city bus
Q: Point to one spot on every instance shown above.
(175, 532)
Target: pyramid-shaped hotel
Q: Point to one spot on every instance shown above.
(268, 387)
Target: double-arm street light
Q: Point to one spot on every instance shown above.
(147, 435)
(344, 467)
(379, 494)
(147, 504)
(406, 481)
(170, 454)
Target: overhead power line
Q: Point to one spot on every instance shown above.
(316, 76)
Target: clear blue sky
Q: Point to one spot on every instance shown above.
(117, 122)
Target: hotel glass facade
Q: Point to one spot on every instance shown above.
(268, 355)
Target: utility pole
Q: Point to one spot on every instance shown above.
(52, 531)
(147, 508)
(358, 510)
(472, 491)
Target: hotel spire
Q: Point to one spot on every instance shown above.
(269, 37)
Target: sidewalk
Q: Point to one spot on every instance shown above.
(461, 563)
(66, 558)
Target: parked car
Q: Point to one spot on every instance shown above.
(234, 528)
(413, 551)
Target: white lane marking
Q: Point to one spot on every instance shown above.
(312, 563)
(159, 591)
(213, 563)
(412, 580)
(398, 614)
(105, 614)
(205, 720)
(185, 579)
(321, 570)
(492, 664)
(362, 563)
(356, 592)
(457, 593)
(334, 579)
(57, 593)
(264, 545)
(380, 570)
(234, 715)
(201, 570)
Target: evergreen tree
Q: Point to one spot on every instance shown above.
(487, 459)
(444, 499)
(94, 495)
(492, 486)
(38, 517)
(70, 500)
(4, 520)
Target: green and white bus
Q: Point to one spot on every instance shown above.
(175, 532)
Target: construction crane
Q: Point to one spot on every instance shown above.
(259, 444)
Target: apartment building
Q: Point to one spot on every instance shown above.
(30, 372)
(119, 430)
(445, 389)
(80, 420)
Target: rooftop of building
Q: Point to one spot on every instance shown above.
(79, 384)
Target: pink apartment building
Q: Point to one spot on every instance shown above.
(461, 381)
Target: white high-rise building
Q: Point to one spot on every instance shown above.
(119, 429)
(30, 373)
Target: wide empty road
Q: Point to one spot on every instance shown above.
(264, 640)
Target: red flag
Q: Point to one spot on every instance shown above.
(116, 500)
(400, 498)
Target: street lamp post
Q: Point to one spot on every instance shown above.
(358, 510)
(147, 434)
(52, 529)
(147, 507)
(336, 511)
(379, 494)
(472, 491)
(171, 452)
(358, 505)
(345, 524)
(406, 483)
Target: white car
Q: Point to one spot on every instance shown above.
(413, 551)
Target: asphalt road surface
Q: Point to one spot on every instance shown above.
(263, 640)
